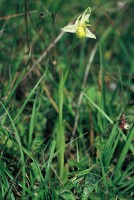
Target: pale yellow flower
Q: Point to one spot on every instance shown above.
(80, 26)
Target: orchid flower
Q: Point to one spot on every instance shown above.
(80, 26)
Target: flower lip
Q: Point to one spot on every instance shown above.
(80, 26)
(81, 32)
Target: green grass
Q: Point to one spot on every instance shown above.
(61, 100)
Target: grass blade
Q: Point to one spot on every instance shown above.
(124, 152)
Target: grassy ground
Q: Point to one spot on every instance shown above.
(63, 135)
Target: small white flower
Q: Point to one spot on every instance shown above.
(127, 126)
(80, 26)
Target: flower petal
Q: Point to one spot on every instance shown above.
(78, 20)
(89, 34)
(85, 15)
(70, 28)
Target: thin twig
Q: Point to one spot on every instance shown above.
(26, 25)
(83, 85)
(51, 99)
(3, 27)
(44, 54)
(15, 15)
